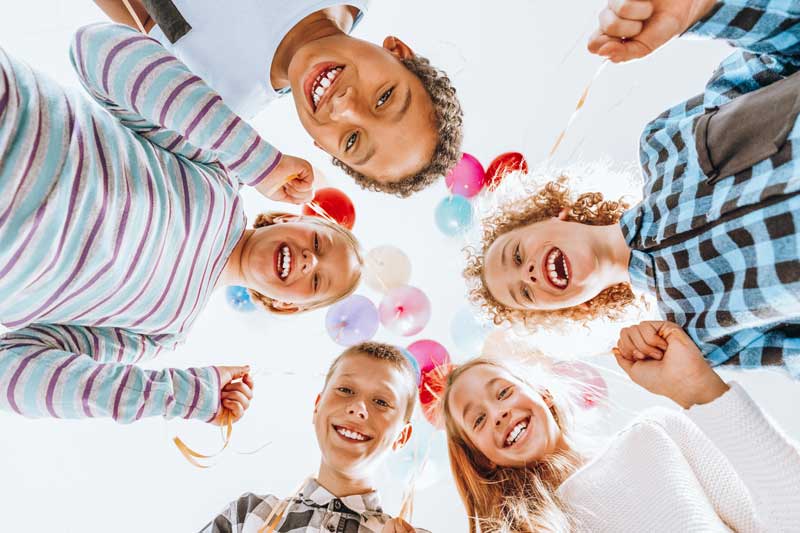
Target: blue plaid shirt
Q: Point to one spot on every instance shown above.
(722, 253)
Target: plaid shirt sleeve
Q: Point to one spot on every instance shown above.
(249, 509)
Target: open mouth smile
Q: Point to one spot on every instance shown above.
(557, 268)
(283, 261)
(351, 435)
(319, 82)
(516, 432)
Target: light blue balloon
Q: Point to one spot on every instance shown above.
(469, 332)
(454, 215)
(239, 298)
(424, 457)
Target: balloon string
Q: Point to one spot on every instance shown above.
(275, 188)
(581, 102)
(275, 516)
(318, 209)
(134, 16)
(195, 458)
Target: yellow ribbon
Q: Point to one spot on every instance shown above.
(193, 456)
(581, 102)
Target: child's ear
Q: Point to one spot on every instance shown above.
(402, 439)
(318, 146)
(563, 214)
(284, 308)
(397, 48)
(316, 406)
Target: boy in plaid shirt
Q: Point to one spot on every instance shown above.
(361, 415)
(716, 236)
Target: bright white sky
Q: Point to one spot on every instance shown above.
(519, 72)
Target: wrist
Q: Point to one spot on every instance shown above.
(706, 391)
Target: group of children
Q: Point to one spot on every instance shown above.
(120, 214)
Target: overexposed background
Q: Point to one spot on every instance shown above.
(519, 71)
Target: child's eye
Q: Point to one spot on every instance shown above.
(504, 393)
(517, 256)
(526, 293)
(385, 97)
(382, 403)
(478, 421)
(345, 390)
(351, 141)
(315, 282)
(316, 242)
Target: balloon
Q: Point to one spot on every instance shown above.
(590, 389)
(386, 267)
(469, 332)
(239, 298)
(502, 165)
(413, 362)
(405, 310)
(428, 354)
(423, 460)
(467, 177)
(454, 215)
(336, 204)
(352, 320)
(431, 390)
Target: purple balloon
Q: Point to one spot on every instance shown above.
(351, 321)
(405, 310)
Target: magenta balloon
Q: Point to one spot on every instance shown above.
(590, 388)
(405, 310)
(429, 354)
(467, 177)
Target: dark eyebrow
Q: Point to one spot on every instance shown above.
(401, 113)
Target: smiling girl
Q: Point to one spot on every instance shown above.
(119, 217)
(720, 465)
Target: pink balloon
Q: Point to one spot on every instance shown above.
(429, 354)
(405, 310)
(590, 389)
(467, 177)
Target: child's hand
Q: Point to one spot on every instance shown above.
(298, 190)
(681, 374)
(397, 525)
(631, 29)
(236, 391)
(641, 341)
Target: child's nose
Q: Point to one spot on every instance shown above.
(310, 261)
(500, 418)
(344, 106)
(358, 409)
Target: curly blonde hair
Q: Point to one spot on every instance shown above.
(548, 202)
(268, 219)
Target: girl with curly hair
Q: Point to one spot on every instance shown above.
(520, 464)
(716, 238)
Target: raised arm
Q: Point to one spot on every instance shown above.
(79, 372)
(154, 94)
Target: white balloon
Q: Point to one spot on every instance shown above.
(386, 267)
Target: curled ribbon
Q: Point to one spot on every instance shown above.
(578, 106)
(195, 458)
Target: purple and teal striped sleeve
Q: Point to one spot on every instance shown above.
(45, 371)
(156, 95)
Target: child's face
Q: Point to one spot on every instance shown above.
(374, 114)
(359, 416)
(299, 262)
(506, 420)
(546, 265)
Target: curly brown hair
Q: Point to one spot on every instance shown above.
(272, 217)
(548, 202)
(448, 120)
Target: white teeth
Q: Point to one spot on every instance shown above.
(325, 82)
(515, 433)
(319, 91)
(322, 83)
(552, 273)
(285, 261)
(350, 434)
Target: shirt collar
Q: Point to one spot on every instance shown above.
(359, 503)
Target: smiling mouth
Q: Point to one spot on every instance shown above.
(557, 268)
(283, 261)
(319, 84)
(516, 433)
(351, 434)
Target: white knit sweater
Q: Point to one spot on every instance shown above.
(722, 466)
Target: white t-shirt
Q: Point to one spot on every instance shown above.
(232, 43)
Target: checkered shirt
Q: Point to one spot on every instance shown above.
(721, 253)
(313, 510)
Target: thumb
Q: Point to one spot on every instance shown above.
(229, 373)
(623, 363)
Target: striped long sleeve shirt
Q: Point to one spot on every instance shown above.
(717, 236)
(117, 216)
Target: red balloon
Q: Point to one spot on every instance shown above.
(431, 391)
(502, 165)
(336, 204)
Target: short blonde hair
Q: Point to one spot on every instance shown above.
(548, 202)
(270, 218)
